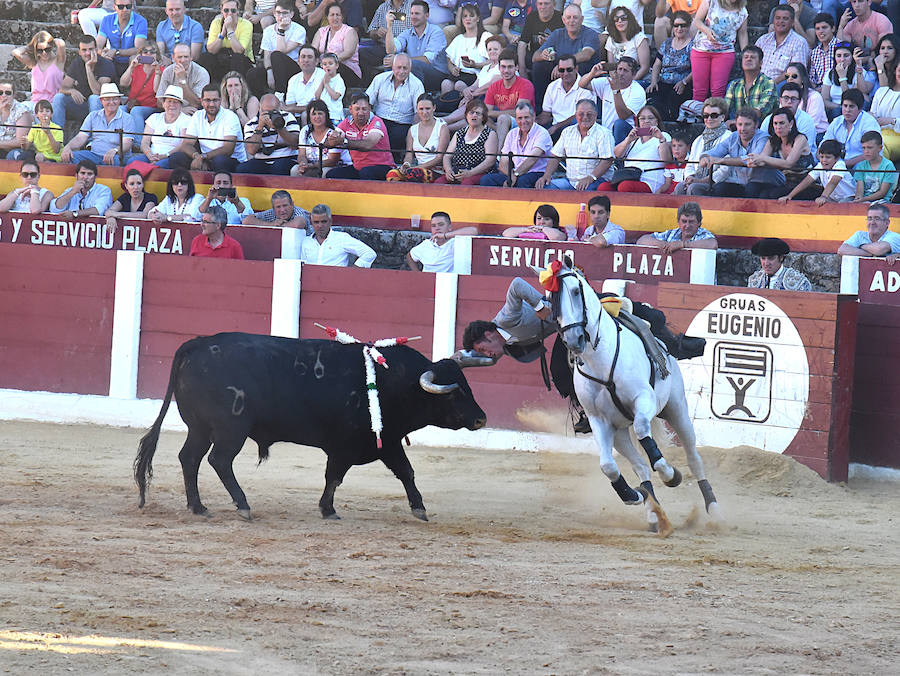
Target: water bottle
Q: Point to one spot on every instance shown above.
(581, 221)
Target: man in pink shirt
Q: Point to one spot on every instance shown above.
(502, 95)
(867, 28)
(365, 136)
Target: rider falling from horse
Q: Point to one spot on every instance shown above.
(524, 323)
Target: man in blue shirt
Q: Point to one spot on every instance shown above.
(178, 29)
(86, 197)
(424, 42)
(121, 35)
(573, 38)
(850, 125)
(733, 152)
(100, 133)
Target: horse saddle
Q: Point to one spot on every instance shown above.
(652, 346)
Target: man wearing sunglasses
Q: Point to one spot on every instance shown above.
(122, 35)
(79, 92)
(782, 45)
(561, 97)
(178, 29)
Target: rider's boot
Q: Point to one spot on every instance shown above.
(582, 425)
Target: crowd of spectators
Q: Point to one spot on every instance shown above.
(523, 94)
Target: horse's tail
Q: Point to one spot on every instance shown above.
(143, 462)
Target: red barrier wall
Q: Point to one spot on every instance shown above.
(188, 297)
(57, 309)
(368, 304)
(875, 416)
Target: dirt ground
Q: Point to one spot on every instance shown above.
(529, 565)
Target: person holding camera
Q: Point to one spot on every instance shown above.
(271, 140)
(223, 194)
(371, 54)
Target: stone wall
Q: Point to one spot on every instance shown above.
(734, 266)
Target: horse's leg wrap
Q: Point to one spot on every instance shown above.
(627, 493)
(652, 451)
(648, 486)
(708, 496)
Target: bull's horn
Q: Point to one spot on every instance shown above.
(468, 358)
(426, 382)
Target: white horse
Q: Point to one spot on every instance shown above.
(613, 383)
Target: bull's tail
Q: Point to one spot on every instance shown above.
(143, 462)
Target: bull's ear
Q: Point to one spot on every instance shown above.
(536, 270)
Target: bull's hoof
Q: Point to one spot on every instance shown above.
(420, 514)
(244, 514)
(675, 480)
(199, 510)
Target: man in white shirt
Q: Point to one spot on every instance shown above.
(436, 254)
(217, 131)
(301, 88)
(330, 247)
(394, 94)
(619, 96)
(561, 96)
(587, 149)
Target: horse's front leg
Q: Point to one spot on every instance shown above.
(603, 436)
(644, 411)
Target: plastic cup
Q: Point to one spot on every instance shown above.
(414, 221)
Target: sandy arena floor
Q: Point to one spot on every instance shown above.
(529, 565)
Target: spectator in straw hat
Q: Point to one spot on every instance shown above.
(163, 131)
(773, 273)
(108, 133)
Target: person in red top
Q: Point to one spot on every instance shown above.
(366, 137)
(502, 95)
(213, 242)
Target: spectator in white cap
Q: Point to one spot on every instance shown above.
(163, 131)
(100, 132)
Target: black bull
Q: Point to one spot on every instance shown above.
(232, 386)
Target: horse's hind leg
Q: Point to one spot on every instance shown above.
(603, 437)
(644, 412)
(676, 414)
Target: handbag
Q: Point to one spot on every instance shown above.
(625, 174)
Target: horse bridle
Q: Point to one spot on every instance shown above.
(584, 315)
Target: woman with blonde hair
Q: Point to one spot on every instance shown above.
(236, 96)
(46, 57)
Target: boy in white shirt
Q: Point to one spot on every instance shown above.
(436, 254)
(831, 173)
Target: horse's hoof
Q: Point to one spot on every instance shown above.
(675, 480)
(244, 514)
(420, 514)
(200, 510)
(653, 527)
(331, 517)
